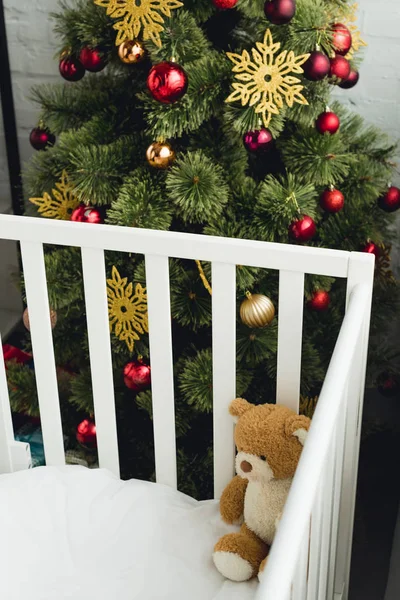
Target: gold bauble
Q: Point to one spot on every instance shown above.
(257, 311)
(25, 319)
(160, 155)
(132, 52)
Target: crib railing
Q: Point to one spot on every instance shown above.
(311, 552)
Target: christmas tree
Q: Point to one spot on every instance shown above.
(212, 117)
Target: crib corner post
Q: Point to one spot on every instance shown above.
(360, 272)
(6, 428)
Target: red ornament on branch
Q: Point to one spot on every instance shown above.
(332, 200)
(303, 229)
(40, 138)
(351, 80)
(71, 69)
(390, 201)
(319, 301)
(388, 384)
(259, 140)
(342, 40)
(86, 214)
(327, 122)
(167, 82)
(92, 59)
(317, 66)
(137, 375)
(371, 248)
(280, 12)
(340, 68)
(86, 433)
(224, 4)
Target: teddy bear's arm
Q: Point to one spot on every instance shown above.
(232, 500)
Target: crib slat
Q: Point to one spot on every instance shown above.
(6, 427)
(300, 580)
(162, 377)
(328, 483)
(315, 546)
(224, 371)
(290, 330)
(94, 277)
(43, 351)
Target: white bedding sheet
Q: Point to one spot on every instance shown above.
(71, 532)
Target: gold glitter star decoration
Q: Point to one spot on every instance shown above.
(127, 312)
(357, 41)
(264, 82)
(138, 15)
(61, 203)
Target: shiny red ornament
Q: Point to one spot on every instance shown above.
(41, 138)
(332, 201)
(137, 375)
(342, 40)
(351, 80)
(388, 384)
(167, 82)
(317, 66)
(391, 200)
(224, 4)
(86, 214)
(327, 122)
(303, 229)
(259, 140)
(71, 69)
(92, 59)
(280, 12)
(371, 248)
(319, 301)
(340, 68)
(86, 433)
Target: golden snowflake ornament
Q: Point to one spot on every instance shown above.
(138, 15)
(357, 41)
(127, 312)
(264, 82)
(61, 203)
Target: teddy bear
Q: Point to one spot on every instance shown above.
(269, 440)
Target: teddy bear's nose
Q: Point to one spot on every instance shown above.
(245, 466)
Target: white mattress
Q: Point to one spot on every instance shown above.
(70, 532)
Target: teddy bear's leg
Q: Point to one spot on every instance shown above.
(238, 556)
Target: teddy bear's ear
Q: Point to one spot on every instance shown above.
(238, 407)
(298, 426)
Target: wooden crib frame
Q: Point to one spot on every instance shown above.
(310, 557)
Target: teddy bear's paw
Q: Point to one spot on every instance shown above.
(262, 568)
(232, 566)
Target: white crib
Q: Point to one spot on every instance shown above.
(310, 557)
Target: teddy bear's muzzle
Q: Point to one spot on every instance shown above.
(246, 466)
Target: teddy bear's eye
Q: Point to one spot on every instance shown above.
(263, 457)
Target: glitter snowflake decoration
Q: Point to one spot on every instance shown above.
(127, 312)
(137, 15)
(357, 41)
(61, 203)
(264, 82)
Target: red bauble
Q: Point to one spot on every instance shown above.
(319, 301)
(351, 80)
(137, 375)
(259, 140)
(86, 433)
(317, 66)
(340, 68)
(327, 122)
(341, 38)
(86, 214)
(391, 200)
(92, 59)
(41, 138)
(371, 248)
(388, 384)
(332, 201)
(167, 82)
(302, 230)
(71, 69)
(280, 12)
(224, 4)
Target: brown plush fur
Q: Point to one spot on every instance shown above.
(267, 430)
(246, 544)
(232, 500)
